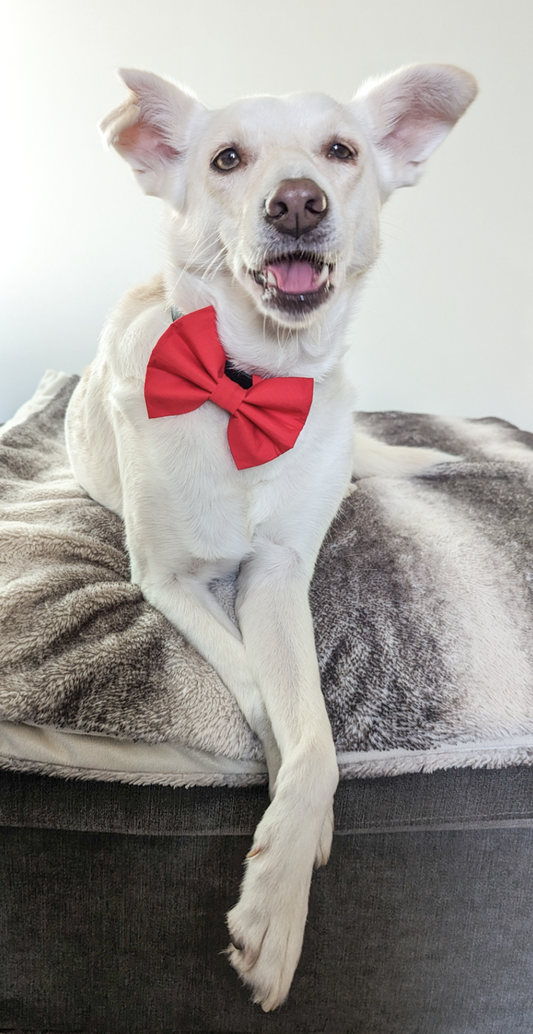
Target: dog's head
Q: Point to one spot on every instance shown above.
(281, 196)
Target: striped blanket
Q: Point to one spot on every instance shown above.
(422, 602)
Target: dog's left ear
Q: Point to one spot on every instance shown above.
(150, 130)
(408, 114)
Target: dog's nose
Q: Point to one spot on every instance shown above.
(296, 206)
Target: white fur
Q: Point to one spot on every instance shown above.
(190, 515)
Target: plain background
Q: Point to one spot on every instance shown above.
(446, 323)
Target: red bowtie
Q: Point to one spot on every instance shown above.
(187, 368)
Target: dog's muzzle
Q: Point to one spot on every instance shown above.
(296, 277)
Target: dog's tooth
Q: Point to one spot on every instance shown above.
(271, 279)
(324, 275)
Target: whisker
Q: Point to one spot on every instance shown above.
(193, 257)
(199, 248)
(209, 273)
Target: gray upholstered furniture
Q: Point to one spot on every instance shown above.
(113, 897)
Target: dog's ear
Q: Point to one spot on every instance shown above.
(408, 114)
(150, 129)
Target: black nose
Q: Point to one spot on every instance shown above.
(296, 206)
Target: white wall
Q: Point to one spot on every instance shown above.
(447, 321)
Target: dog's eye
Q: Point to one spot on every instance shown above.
(227, 159)
(341, 151)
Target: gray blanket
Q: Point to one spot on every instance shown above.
(422, 602)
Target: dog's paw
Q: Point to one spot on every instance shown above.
(324, 844)
(267, 924)
(266, 931)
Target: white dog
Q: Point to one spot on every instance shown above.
(216, 421)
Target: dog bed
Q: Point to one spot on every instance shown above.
(422, 602)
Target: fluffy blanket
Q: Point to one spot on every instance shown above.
(422, 602)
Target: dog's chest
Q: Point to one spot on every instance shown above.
(215, 509)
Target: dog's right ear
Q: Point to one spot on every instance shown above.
(150, 130)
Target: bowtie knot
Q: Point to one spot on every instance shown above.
(188, 367)
(228, 394)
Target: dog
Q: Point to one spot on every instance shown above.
(216, 419)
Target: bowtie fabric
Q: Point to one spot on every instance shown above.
(187, 368)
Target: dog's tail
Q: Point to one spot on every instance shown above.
(374, 458)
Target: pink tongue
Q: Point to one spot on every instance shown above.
(294, 277)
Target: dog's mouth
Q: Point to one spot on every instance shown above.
(295, 283)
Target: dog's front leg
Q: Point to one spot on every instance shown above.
(267, 924)
(183, 601)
